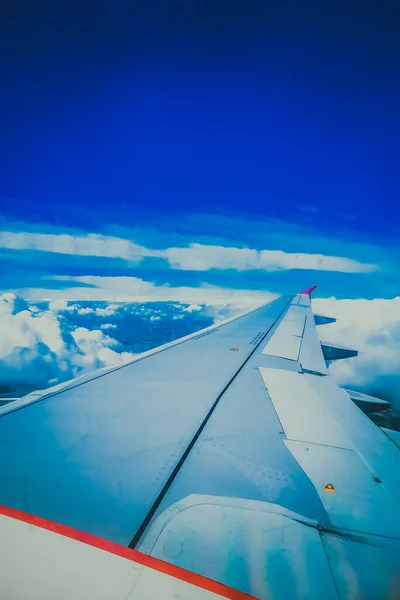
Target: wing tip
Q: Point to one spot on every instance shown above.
(308, 291)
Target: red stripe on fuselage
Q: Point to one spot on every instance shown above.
(128, 553)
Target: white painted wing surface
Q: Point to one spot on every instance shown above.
(232, 455)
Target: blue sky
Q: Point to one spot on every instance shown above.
(262, 125)
(212, 106)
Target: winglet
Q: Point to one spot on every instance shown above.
(309, 290)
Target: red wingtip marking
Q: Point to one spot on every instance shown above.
(309, 290)
(134, 555)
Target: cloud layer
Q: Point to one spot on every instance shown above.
(81, 245)
(199, 257)
(38, 348)
(195, 257)
(134, 289)
(373, 328)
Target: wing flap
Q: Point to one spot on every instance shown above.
(299, 408)
(286, 341)
(352, 501)
(311, 355)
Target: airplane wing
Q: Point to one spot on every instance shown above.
(227, 464)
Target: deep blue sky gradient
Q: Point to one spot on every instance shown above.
(208, 106)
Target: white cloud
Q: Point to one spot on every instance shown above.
(83, 310)
(195, 257)
(373, 328)
(35, 349)
(192, 308)
(95, 345)
(58, 305)
(82, 245)
(34, 309)
(198, 257)
(134, 289)
(108, 311)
